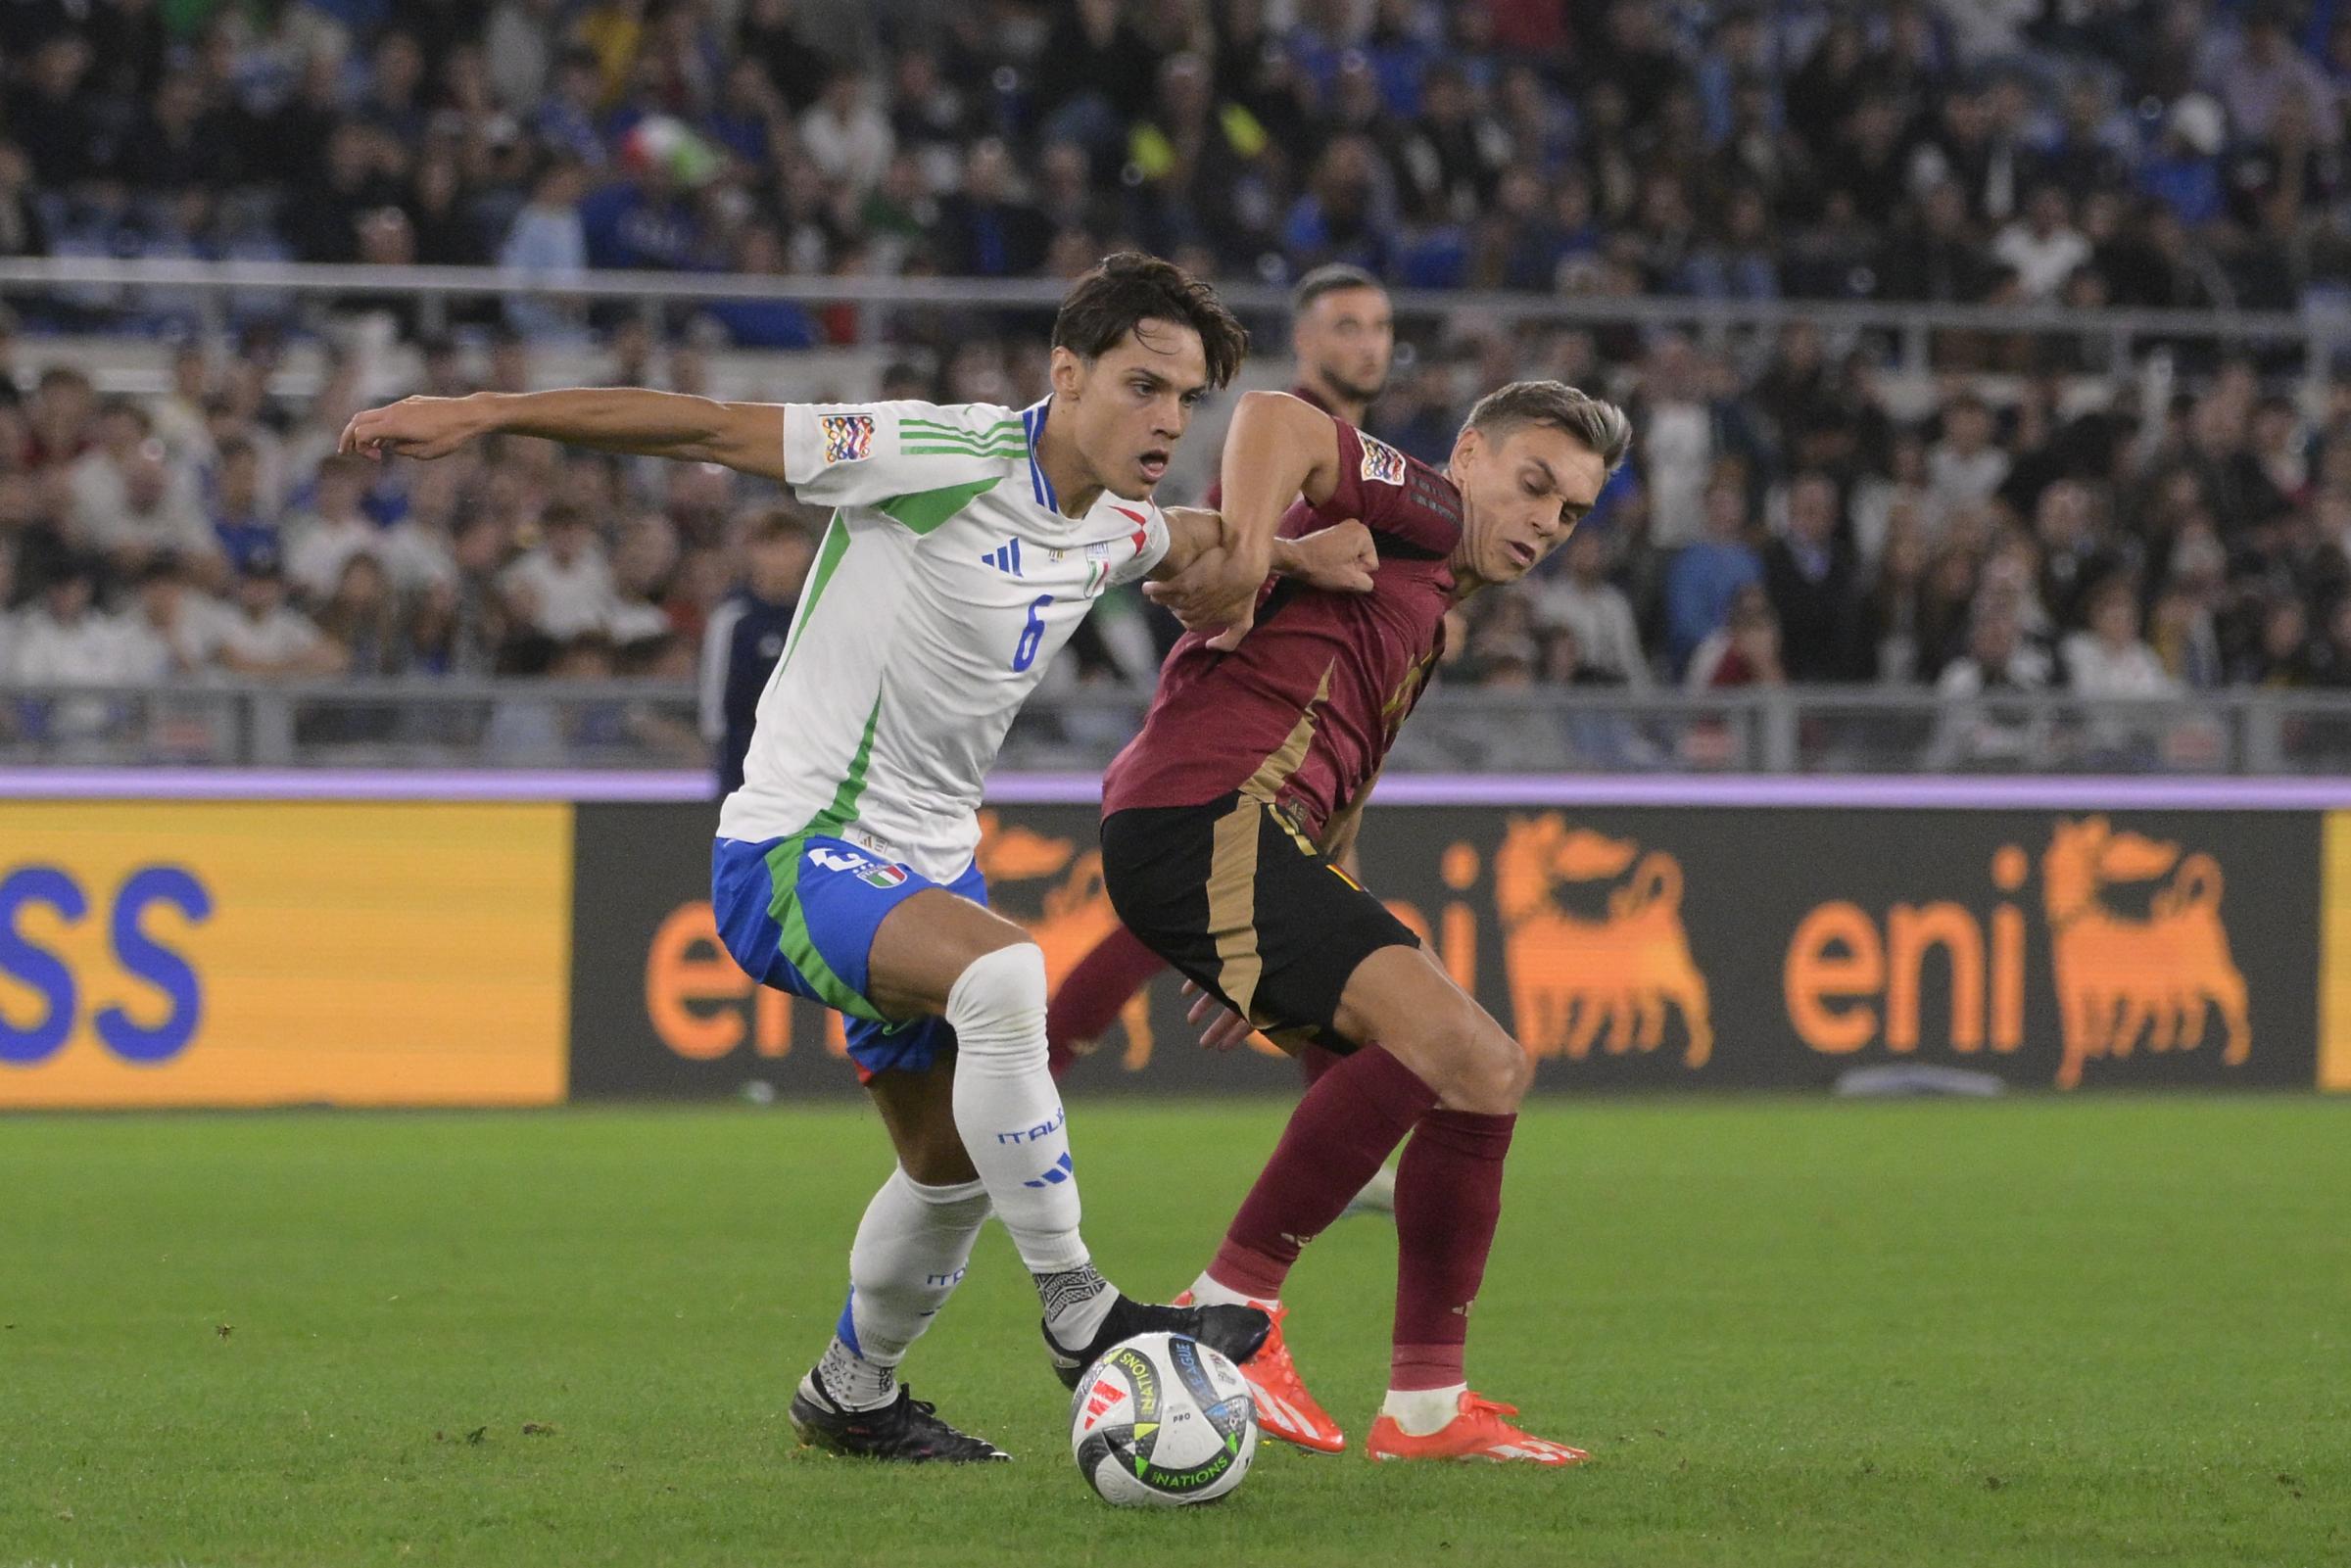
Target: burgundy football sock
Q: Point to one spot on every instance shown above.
(1343, 1128)
(1448, 1198)
(1091, 994)
(1314, 1062)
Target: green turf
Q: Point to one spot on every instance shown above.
(2031, 1332)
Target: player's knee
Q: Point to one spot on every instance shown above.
(1472, 1064)
(997, 1004)
(1513, 1068)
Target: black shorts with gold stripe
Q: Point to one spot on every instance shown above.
(1236, 897)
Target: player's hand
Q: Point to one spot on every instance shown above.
(1224, 1028)
(1340, 558)
(413, 427)
(1217, 592)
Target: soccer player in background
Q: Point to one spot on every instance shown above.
(1343, 335)
(966, 543)
(745, 637)
(1223, 822)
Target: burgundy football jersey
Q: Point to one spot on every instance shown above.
(1304, 711)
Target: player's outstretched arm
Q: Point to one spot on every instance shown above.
(748, 437)
(1340, 558)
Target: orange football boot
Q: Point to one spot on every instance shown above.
(1479, 1432)
(1284, 1410)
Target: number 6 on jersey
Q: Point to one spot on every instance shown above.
(1025, 654)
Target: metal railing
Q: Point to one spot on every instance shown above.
(214, 291)
(641, 725)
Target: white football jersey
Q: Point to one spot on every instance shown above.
(946, 584)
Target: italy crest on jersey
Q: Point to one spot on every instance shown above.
(1383, 464)
(883, 877)
(849, 437)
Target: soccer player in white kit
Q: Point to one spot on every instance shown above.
(966, 543)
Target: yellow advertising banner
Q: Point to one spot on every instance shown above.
(260, 953)
(2334, 958)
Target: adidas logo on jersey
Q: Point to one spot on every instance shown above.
(1005, 558)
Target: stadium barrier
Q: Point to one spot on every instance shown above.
(211, 297)
(643, 723)
(492, 948)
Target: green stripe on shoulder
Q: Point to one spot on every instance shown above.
(940, 427)
(924, 510)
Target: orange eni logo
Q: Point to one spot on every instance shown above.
(1575, 982)
(2119, 977)
(1850, 982)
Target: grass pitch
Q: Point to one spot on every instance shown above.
(1790, 1332)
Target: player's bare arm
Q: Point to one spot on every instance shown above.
(748, 437)
(1279, 448)
(1340, 558)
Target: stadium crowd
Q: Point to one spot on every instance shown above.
(2041, 518)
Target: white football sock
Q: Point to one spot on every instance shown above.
(1210, 1291)
(1008, 1110)
(910, 1253)
(911, 1249)
(1421, 1411)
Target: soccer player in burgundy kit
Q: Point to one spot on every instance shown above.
(1222, 822)
(1344, 336)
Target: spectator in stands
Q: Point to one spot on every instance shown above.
(2043, 248)
(1346, 213)
(642, 568)
(133, 504)
(421, 548)
(1202, 160)
(564, 589)
(62, 640)
(1744, 650)
(1580, 603)
(2108, 659)
(1708, 577)
(746, 635)
(986, 229)
(2283, 657)
(1809, 573)
(1999, 661)
(2265, 70)
(173, 630)
(320, 541)
(1886, 163)
(845, 134)
(269, 638)
(1966, 467)
(361, 617)
(1889, 612)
